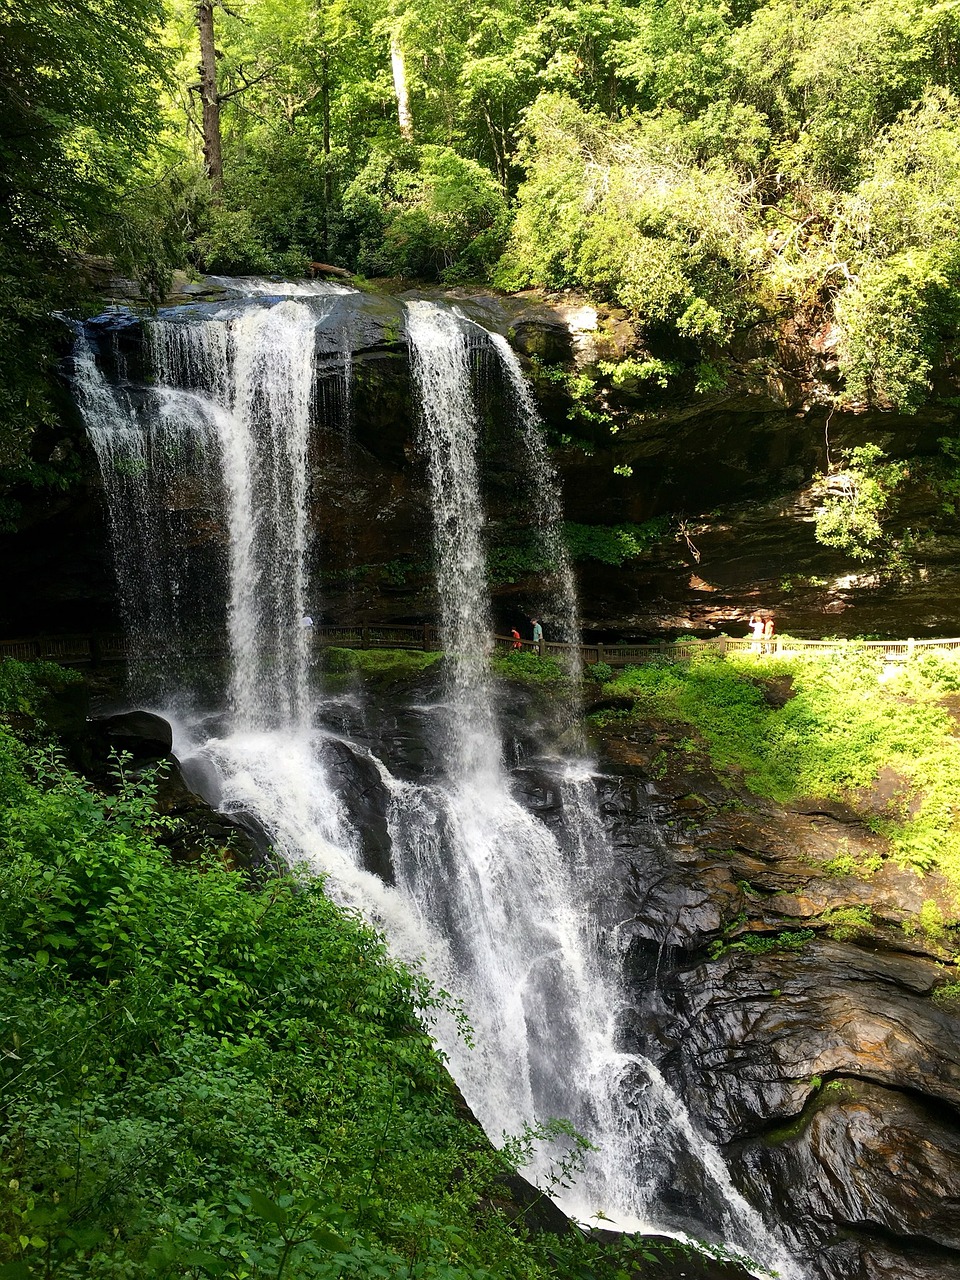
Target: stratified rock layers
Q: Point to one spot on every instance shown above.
(823, 1068)
(729, 470)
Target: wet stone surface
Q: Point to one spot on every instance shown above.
(823, 1068)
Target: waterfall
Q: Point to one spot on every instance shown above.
(493, 902)
(257, 367)
(513, 900)
(543, 502)
(440, 363)
(148, 451)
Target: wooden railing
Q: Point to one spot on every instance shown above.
(74, 650)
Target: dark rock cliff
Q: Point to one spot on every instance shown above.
(811, 1048)
(809, 1042)
(728, 469)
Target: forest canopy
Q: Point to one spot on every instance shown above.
(703, 163)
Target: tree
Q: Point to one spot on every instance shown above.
(209, 96)
(78, 92)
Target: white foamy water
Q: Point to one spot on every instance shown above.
(495, 903)
(543, 503)
(254, 286)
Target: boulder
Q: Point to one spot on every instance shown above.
(143, 734)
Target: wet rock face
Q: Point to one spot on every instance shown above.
(734, 466)
(820, 1065)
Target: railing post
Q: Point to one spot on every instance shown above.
(96, 654)
(426, 635)
(600, 657)
(910, 644)
(365, 637)
(721, 643)
(778, 646)
(542, 647)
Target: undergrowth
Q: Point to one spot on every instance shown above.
(382, 664)
(200, 1078)
(845, 720)
(521, 664)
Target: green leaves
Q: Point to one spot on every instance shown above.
(854, 500)
(77, 94)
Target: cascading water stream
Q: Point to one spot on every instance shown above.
(513, 898)
(258, 366)
(545, 508)
(494, 902)
(148, 449)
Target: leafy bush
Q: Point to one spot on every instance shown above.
(855, 498)
(424, 212)
(521, 664)
(612, 544)
(339, 661)
(615, 208)
(901, 224)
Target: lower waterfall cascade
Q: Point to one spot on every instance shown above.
(492, 901)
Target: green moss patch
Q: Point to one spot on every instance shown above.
(847, 719)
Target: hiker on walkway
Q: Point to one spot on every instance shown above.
(768, 634)
(517, 642)
(756, 631)
(537, 632)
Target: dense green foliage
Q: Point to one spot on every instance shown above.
(200, 1077)
(764, 158)
(527, 667)
(517, 554)
(842, 724)
(202, 1080)
(706, 164)
(854, 500)
(379, 664)
(78, 103)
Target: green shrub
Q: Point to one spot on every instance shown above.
(620, 209)
(197, 1075)
(339, 661)
(521, 664)
(613, 544)
(424, 212)
(855, 499)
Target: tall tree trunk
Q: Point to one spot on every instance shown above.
(327, 174)
(400, 89)
(212, 143)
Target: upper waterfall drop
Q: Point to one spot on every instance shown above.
(440, 364)
(546, 508)
(257, 366)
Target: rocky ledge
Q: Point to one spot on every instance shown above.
(805, 1033)
(727, 469)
